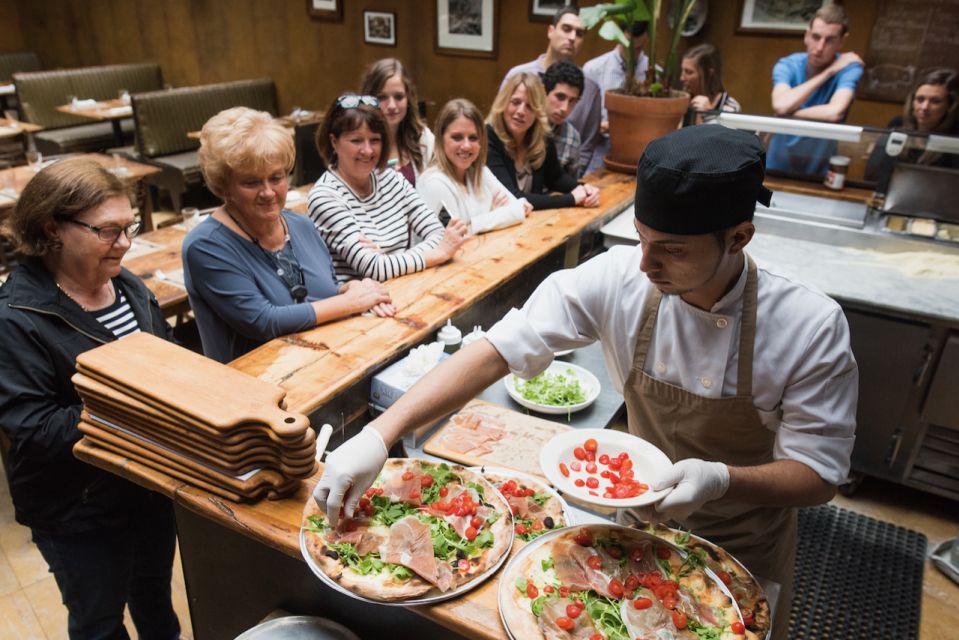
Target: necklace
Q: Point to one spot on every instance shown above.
(75, 301)
(289, 270)
(360, 193)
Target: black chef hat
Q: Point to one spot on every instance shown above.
(700, 179)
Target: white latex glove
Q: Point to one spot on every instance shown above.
(694, 482)
(349, 471)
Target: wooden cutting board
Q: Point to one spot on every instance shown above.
(91, 386)
(159, 372)
(518, 449)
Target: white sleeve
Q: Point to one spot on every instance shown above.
(509, 214)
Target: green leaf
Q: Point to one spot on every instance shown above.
(537, 605)
(317, 524)
(521, 584)
(386, 512)
(613, 32)
(559, 389)
(694, 560)
(478, 488)
(442, 475)
(541, 498)
(547, 564)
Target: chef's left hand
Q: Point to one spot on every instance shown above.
(694, 482)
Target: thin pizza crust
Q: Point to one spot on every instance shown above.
(553, 507)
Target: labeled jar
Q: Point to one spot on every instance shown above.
(450, 336)
(836, 176)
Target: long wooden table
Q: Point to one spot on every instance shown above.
(317, 365)
(113, 111)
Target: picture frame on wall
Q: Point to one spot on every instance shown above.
(780, 17)
(331, 10)
(379, 27)
(544, 10)
(466, 28)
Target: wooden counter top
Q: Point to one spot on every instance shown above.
(807, 188)
(316, 365)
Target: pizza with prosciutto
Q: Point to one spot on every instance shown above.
(613, 583)
(536, 508)
(422, 529)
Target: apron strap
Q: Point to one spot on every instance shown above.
(650, 313)
(747, 333)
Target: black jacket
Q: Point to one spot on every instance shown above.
(549, 177)
(41, 333)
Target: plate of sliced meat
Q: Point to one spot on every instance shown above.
(537, 508)
(424, 532)
(609, 581)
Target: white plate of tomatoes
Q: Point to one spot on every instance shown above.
(604, 467)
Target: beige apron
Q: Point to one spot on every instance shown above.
(685, 425)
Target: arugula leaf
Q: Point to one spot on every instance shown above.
(605, 614)
(478, 488)
(537, 605)
(554, 389)
(521, 583)
(547, 564)
(317, 524)
(399, 572)
(665, 567)
(703, 632)
(682, 539)
(386, 512)
(540, 498)
(694, 560)
(370, 563)
(442, 475)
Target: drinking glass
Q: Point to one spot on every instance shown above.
(12, 116)
(119, 167)
(35, 160)
(124, 96)
(191, 217)
(72, 101)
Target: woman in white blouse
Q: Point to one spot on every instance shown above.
(458, 178)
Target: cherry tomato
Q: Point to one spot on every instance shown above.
(575, 466)
(470, 533)
(738, 627)
(632, 582)
(579, 482)
(592, 483)
(426, 481)
(662, 553)
(591, 445)
(623, 455)
(521, 528)
(679, 619)
(463, 565)
(604, 459)
(564, 469)
(597, 636)
(642, 603)
(594, 562)
(407, 475)
(591, 467)
(476, 522)
(584, 538)
(590, 456)
(370, 492)
(537, 525)
(725, 577)
(532, 591)
(548, 589)
(564, 592)
(747, 617)
(444, 492)
(573, 611)
(415, 494)
(615, 552)
(616, 588)
(636, 554)
(615, 464)
(579, 453)
(627, 464)
(565, 623)
(439, 505)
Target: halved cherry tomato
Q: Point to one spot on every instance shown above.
(537, 525)
(747, 617)
(583, 537)
(564, 592)
(444, 492)
(565, 623)
(632, 582)
(590, 456)
(592, 483)
(521, 528)
(463, 565)
(591, 445)
(597, 636)
(627, 464)
(573, 611)
(636, 554)
(679, 619)
(725, 577)
(662, 553)
(470, 533)
(738, 627)
(548, 589)
(564, 469)
(616, 588)
(579, 482)
(604, 459)
(642, 603)
(594, 562)
(615, 552)
(591, 467)
(476, 521)
(615, 464)
(415, 494)
(579, 453)
(623, 455)
(426, 481)
(407, 475)
(532, 591)
(575, 466)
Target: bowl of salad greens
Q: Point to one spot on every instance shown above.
(562, 388)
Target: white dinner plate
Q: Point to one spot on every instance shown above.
(648, 463)
(587, 380)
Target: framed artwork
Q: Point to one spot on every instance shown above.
(466, 28)
(544, 10)
(379, 27)
(325, 9)
(777, 16)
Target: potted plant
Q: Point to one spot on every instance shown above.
(640, 111)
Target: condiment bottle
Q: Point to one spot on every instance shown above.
(450, 336)
(473, 335)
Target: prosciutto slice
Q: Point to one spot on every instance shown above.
(554, 609)
(410, 545)
(654, 623)
(365, 541)
(398, 490)
(569, 570)
(695, 610)
(598, 579)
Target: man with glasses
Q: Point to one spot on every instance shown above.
(819, 84)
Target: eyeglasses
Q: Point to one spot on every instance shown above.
(291, 273)
(109, 233)
(352, 101)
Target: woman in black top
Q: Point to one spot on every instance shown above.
(522, 156)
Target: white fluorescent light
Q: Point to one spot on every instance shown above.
(943, 144)
(807, 128)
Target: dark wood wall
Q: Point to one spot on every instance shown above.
(312, 61)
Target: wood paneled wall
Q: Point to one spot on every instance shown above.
(312, 61)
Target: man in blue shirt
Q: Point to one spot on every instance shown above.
(817, 85)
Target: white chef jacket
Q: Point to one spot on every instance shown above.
(805, 379)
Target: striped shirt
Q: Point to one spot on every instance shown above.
(118, 317)
(391, 216)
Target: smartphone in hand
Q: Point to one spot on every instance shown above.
(444, 215)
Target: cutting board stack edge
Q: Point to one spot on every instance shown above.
(194, 419)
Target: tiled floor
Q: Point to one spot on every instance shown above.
(30, 607)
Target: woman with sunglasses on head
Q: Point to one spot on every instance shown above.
(522, 155)
(254, 271)
(458, 178)
(108, 542)
(411, 141)
(372, 219)
(702, 78)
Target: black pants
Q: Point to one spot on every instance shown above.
(100, 571)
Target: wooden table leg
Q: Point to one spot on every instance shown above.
(145, 203)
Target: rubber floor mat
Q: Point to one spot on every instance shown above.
(856, 577)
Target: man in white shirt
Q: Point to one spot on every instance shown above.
(608, 71)
(565, 36)
(744, 378)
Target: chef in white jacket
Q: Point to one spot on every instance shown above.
(743, 377)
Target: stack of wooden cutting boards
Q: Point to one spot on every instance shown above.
(192, 418)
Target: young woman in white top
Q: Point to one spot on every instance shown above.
(458, 178)
(411, 141)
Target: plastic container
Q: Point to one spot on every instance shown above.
(836, 176)
(450, 336)
(473, 335)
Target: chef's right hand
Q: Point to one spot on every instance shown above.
(349, 471)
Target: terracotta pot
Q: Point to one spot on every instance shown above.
(635, 121)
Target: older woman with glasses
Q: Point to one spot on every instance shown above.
(108, 542)
(373, 220)
(254, 271)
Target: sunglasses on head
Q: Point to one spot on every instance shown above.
(352, 101)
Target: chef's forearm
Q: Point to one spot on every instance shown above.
(783, 483)
(446, 388)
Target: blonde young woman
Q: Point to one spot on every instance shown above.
(411, 141)
(522, 156)
(458, 178)
(702, 77)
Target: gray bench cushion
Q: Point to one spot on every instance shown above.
(86, 137)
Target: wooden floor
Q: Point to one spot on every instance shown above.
(30, 605)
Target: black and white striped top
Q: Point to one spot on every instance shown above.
(393, 217)
(118, 317)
